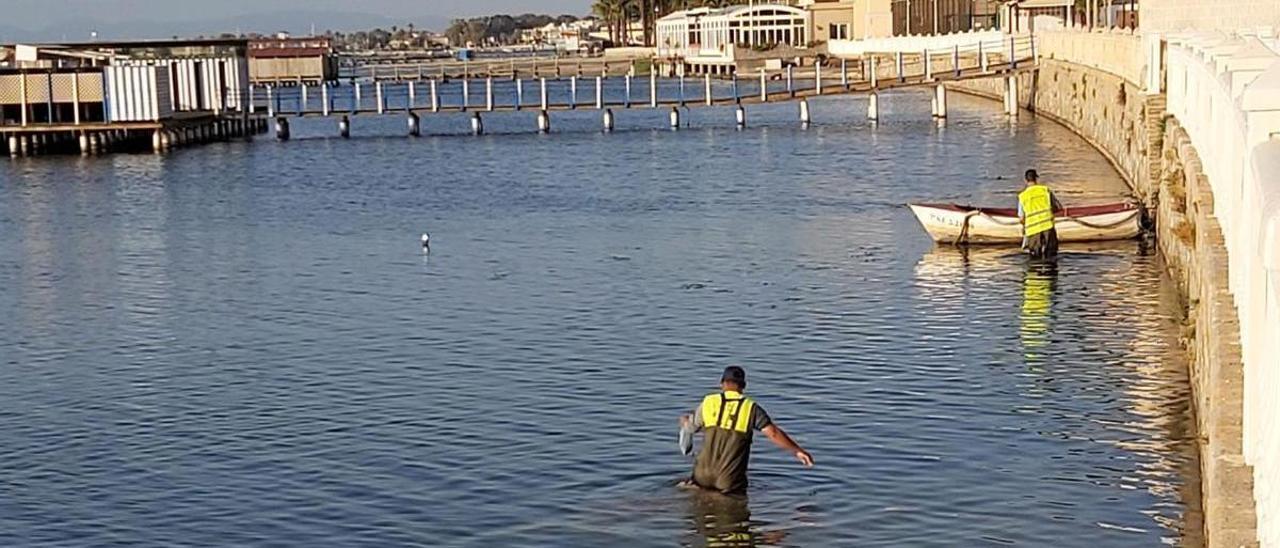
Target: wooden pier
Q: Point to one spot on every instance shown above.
(867, 74)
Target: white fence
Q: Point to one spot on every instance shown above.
(137, 94)
(1225, 91)
(991, 39)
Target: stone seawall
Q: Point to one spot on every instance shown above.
(1156, 158)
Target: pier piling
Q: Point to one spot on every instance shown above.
(488, 94)
(542, 94)
(706, 92)
(477, 124)
(599, 92)
(940, 101)
(519, 93)
(804, 111)
(544, 121)
(282, 128)
(675, 118)
(435, 97)
(415, 126)
(740, 114)
(344, 127)
(607, 120)
(873, 106)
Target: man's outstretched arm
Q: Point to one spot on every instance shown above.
(781, 439)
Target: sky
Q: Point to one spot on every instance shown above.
(69, 19)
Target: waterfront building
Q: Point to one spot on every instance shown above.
(848, 19)
(292, 60)
(1039, 15)
(713, 39)
(911, 17)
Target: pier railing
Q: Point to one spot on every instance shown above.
(1225, 92)
(869, 72)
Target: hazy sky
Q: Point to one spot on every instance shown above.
(36, 14)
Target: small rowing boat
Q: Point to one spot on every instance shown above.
(957, 224)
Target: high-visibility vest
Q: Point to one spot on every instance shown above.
(727, 411)
(1037, 210)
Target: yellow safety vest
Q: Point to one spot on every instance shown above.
(1037, 210)
(727, 411)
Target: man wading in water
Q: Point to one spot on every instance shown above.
(728, 419)
(1036, 208)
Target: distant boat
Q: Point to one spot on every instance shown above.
(957, 224)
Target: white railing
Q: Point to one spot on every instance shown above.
(1117, 51)
(914, 44)
(1225, 91)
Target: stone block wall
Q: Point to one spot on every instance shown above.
(1192, 244)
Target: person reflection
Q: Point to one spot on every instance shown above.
(725, 521)
(1038, 286)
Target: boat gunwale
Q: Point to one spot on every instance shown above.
(1077, 211)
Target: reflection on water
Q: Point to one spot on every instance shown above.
(244, 345)
(1037, 308)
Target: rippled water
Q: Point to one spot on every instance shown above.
(242, 344)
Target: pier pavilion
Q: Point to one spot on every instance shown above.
(711, 40)
(99, 96)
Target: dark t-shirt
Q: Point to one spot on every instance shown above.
(722, 462)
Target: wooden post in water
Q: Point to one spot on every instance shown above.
(573, 92)
(302, 104)
(435, 97)
(519, 93)
(982, 57)
(626, 99)
(355, 105)
(542, 93)
(252, 107)
(271, 105)
(466, 92)
(324, 98)
(681, 88)
(844, 73)
(873, 106)
(599, 93)
(875, 78)
(707, 90)
(412, 96)
(791, 86)
(955, 60)
(488, 93)
(377, 88)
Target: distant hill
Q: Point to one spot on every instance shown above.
(294, 22)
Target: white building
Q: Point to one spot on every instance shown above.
(706, 36)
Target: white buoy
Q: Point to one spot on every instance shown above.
(675, 117)
(804, 111)
(477, 124)
(344, 127)
(608, 119)
(544, 122)
(741, 115)
(873, 107)
(426, 242)
(940, 102)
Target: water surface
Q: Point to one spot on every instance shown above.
(242, 344)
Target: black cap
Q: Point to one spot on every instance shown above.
(1032, 175)
(735, 375)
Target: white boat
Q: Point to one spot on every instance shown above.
(957, 224)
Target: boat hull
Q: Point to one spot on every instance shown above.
(955, 224)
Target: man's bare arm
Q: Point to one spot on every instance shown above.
(781, 439)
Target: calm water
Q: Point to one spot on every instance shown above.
(242, 344)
